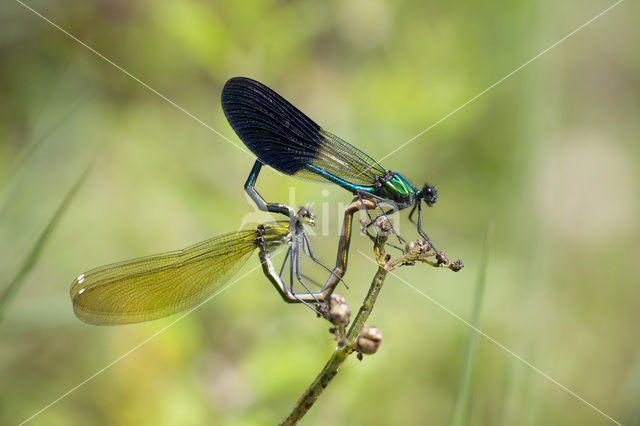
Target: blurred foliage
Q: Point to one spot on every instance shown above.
(549, 155)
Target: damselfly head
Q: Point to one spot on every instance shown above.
(429, 194)
(306, 217)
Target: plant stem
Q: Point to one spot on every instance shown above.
(367, 303)
(311, 394)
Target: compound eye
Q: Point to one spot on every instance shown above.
(429, 194)
(306, 216)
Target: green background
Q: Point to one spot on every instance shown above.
(549, 156)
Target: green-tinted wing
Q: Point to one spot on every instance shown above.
(156, 286)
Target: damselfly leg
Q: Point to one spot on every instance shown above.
(299, 243)
(262, 204)
(418, 206)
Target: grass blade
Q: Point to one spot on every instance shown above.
(33, 255)
(461, 409)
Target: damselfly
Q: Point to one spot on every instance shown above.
(156, 286)
(283, 137)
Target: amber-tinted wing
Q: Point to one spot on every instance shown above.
(156, 286)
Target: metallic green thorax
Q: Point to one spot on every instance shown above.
(395, 188)
(272, 235)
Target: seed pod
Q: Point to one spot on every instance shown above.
(369, 340)
(339, 312)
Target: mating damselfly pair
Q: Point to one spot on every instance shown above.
(280, 136)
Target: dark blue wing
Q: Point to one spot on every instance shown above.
(283, 137)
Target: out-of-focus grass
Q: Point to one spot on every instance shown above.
(461, 410)
(32, 257)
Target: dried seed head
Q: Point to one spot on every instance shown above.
(339, 312)
(417, 248)
(337, 299)
(340, 315)
(442, 258)
(383, 224)
(410, 246)
(369, 340)
(322, 310)
(364, 222)
(457, 265)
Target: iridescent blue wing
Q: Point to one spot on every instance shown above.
(283, 137)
